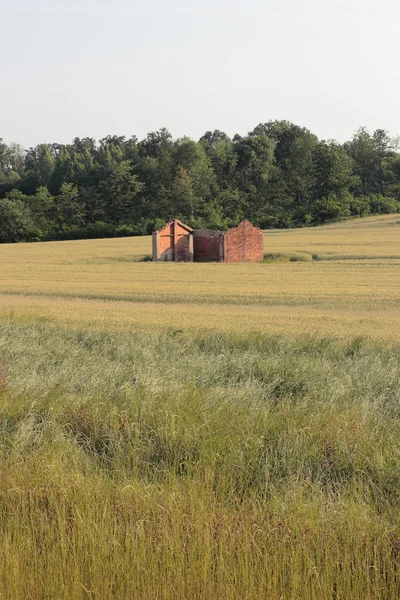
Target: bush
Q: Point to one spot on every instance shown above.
(100, 230)
(124, 231)
(332, 208)
(360, 207)
(382, 205)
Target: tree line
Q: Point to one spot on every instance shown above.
(280, 175)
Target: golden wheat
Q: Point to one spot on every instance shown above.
(351, 288)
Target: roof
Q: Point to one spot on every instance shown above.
(189, 229)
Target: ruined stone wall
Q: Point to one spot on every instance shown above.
(244, 243)
(208, 245)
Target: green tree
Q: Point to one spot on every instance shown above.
(120, 191)
(373, 156)
(385, 147)
(232, 205)
(68, 207)
(16, 224)
(10, 167)
(155, 169)
(219, 148)
(183, 194)
(192, 169)
(39, 165)
(332, 170)
(361, 149)
(42, 208)
(254, 168)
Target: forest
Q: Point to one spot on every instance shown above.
(280, 175)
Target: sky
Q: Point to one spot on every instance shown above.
(77, 68)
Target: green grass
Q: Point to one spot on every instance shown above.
(287, 257)
(181, 467)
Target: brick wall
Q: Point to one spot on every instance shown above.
(173, 243)
(166, 243)
(184, 246)
(177, 242)
(208, 245)
(244, 243)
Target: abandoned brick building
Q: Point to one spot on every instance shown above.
(178, 242)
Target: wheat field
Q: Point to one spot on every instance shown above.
(202, 431)
(339, 280)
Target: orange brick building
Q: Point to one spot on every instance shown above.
(178, 242)
(174, 242)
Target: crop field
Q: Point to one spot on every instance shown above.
(340, 280)
(202, 431)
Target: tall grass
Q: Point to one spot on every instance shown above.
(175, 467)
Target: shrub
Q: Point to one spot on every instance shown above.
(382, 205)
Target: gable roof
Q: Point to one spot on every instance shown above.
(188, 229)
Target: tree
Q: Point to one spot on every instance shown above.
(10, 166)
(372, 155)
(155, 169)
(16, 158)
(333, 178)
(254, 168)
(183, 193)
(384, 148)
(192, 166)
(361, 149)
(15, 222)
(42, 208)
(299, 169)
(68, 207)
(120, 191)
(283, 134)
(232, 205)
(392, 176)
(219, 148)
(289, 191)
(332, 170)
(39, 165)
(278, 175)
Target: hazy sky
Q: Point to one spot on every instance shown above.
(95, 67)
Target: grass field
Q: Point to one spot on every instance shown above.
(188, 431)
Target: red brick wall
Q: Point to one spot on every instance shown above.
(166, 243)
(207, 245)
(173, 243)
(244, 243)
(183, 247)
